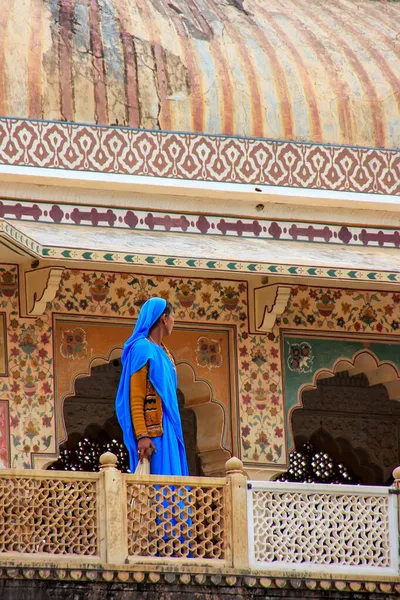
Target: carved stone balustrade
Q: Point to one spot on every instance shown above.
(191, 531)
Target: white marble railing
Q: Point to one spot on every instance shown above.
(330, 528)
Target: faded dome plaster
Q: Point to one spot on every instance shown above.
(301, 70)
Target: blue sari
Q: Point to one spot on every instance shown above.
(170, 458)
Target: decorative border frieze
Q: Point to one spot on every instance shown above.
(121, 258)
(230, 579)
(197, 157)
(200, 224)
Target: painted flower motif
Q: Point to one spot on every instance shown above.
(230, 298)
(47, 388)
(45, 339)
(77, 288)
(388, 309)
(74, 343)
(8, 284)
(260, 397)
(99, 290)
(346, 307)
(326, 305)
(259, 355)
(262, 440)
(14, 421)
(28, 340)
(367, 314)
(29, 386)
(208, 353)
(46, 421)
(304, 303)
(340, 322)
(31, 430)
(140, 299)
(185, 295)
(300, 357)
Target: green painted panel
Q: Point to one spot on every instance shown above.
(322, 353)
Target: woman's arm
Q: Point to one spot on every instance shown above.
(138, 390)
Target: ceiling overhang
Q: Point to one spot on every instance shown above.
(92, 246)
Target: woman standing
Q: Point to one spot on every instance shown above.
(147, 404)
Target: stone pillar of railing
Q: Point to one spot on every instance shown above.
(115, 511)
(237, 481)
(396, 485)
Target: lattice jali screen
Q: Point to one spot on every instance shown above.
(55, 516)
(331, 530)
(176, 521)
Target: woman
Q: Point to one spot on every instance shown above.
(147, 404)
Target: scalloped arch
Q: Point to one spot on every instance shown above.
(198, 394)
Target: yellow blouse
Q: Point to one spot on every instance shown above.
(146, 404)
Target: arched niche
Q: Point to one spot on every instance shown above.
(210, 419)
(311, 361)
(198, 398)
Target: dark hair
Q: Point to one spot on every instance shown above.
(167, 311)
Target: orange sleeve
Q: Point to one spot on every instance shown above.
(138, 388)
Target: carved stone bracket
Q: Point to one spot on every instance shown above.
(41, 288)
(270, 302)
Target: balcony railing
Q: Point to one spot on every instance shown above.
(227, 522)
(329, 528)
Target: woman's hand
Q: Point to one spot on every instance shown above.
(145, 448)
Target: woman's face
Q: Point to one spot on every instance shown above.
(169, 322)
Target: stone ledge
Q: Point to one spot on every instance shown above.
(178, 578)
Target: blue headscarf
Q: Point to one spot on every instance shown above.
(138, 351)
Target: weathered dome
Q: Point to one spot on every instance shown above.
(282, 69)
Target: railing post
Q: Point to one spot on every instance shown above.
(115, 511)
(396, 485)
(237, 480)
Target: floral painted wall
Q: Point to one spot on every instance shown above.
(28, 384)
(199, 301)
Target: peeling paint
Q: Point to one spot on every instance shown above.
(293, 70)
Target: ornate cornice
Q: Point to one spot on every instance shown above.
(197, 157)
